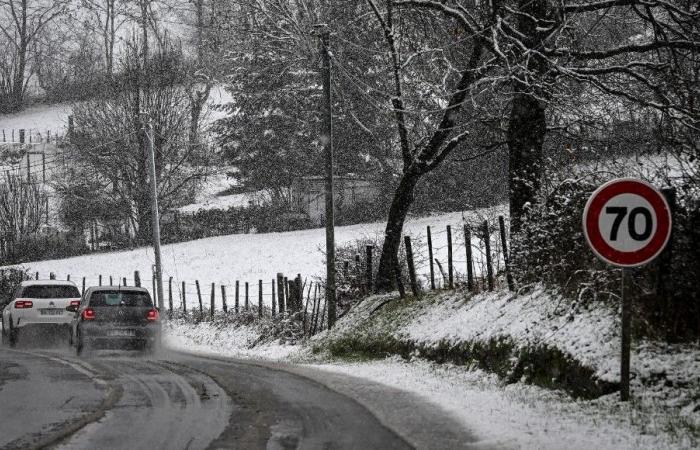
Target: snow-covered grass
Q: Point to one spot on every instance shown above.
(244, 257)
(212, 338)
(521, 416)
(41, 118)
(210, 194)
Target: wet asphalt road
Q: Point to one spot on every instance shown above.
(122, 400)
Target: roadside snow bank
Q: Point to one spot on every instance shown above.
(538, 338)
(520, 416)
(226, 338)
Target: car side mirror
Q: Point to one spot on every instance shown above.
(72, 308)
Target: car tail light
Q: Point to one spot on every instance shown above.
(75, 303)
(88, 314)
(152, 315)
(24, 304)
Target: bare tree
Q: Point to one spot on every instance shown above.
(536, 53)
(22, 210)
(22, 23)
(109, 142)
(108, 16)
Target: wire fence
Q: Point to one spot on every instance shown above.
(466, 255)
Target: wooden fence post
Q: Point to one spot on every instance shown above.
(68, 277)
(468, 249)
(411, 267)
(83, 285)
(368, 274)
(317, 307)
(223, 299)
(170, 296)
(306, 308)
(450, 266)
(111, 282)
(199, 297)
(300, 287)
(286, 295)
(37, 276)
(247, 305)
(280, 292)
(99, 278)
(487, 245)
(506, 259)
(213, 307)
(664, 278)
(124, 281)
(237, 297)
(430, 257)
(137, 278)
(290, 293)
(260, 298)
(273, 309)
(184, 299)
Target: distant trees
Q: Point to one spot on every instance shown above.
(22, 27)
(109, 171)
(271, 133)
(22, 211)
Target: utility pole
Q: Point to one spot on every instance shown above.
(155, 222)
(327, 140)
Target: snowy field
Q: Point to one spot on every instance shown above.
(54, 117)
(252, 257)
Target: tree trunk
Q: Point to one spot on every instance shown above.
(526, 133)
(400, 205)
(527, 125)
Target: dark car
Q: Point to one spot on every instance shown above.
(115, 317)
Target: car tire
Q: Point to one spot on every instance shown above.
(13, 335)
(80, 346)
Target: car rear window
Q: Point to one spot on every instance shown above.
(120, 298)
(50, 292)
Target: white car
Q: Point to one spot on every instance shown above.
(40, 305)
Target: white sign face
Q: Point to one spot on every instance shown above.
(627, 222)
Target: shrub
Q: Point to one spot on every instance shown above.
(551, 248)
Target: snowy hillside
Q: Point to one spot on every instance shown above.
(54, 117)
(253, 257)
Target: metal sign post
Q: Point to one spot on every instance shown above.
(627, 223)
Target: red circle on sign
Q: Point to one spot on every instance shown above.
(594, 208)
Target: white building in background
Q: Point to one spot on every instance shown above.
(349, 190)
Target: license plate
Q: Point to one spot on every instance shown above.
(51, 312)
(121, 333)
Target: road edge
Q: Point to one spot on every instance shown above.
(419, 428)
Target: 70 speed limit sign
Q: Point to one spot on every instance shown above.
(627, 222)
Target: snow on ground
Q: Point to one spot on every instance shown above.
(531, 319)
(502, 415)
(208, 338)
(42, 118)
(54, 117)
(209, 196)
(245, 257)
(516, 416)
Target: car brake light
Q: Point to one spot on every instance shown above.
(24, 304)
(88, 314)
(152, 315)
(75, 303)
